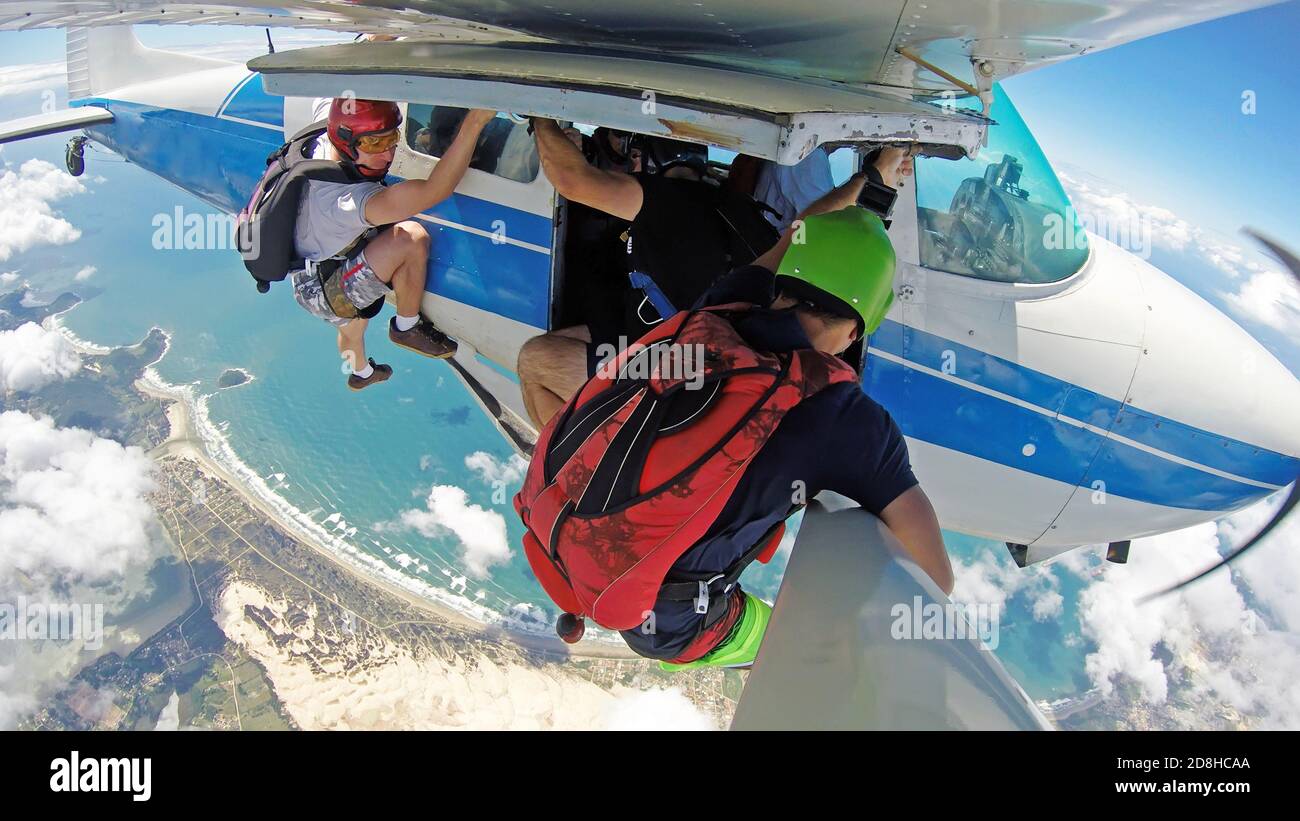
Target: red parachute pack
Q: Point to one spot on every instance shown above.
(636, 468)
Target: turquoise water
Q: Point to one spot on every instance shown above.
(367, 456)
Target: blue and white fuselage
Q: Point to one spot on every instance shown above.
(1100, 406)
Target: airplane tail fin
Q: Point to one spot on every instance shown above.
(104, 58)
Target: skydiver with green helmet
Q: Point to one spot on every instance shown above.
(826, 284)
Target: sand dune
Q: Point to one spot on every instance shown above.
(368, 682)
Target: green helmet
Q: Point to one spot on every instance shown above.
(845, 264)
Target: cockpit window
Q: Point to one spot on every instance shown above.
(504, 149)
(1001, 216)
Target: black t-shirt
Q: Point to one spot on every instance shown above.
(686, 235)
(840, 440)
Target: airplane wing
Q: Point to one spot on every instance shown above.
(53, 122)
(836, 655)
(850, 41)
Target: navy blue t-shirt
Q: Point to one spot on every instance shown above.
(840, 440)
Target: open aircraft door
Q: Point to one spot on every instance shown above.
(494, 281)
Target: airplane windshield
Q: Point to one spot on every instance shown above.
(1002, 216)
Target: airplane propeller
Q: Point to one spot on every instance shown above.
(1293, 263)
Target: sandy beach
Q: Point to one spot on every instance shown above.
(184, 441)
(371, 683)
(368, 681)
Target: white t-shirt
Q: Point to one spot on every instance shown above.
(330, 215)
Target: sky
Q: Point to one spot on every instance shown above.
(1162, 118)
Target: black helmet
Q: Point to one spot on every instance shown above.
(659, 154)
(601, 153)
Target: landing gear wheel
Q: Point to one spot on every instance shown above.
(74, 157)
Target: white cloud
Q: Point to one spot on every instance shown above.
(32, 357)
(1272, 567)
(73, 503)
(1270, 297)
(170, 717)
(1101, 208)
(74, 522)
(655, 709)
(26, 216)
(8, 278)
(1050, 605)
(990, 580)
(27, 77)
(492, 470)
(85, 273)
(1224, 653)
(15, 698)
(482, 533)
(1267, 295)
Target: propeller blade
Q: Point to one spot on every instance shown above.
(1291, 261)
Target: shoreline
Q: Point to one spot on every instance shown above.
(186, 440)
(54, 322)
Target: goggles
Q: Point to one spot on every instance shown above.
(378, 143)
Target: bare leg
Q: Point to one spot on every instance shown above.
(399, 257)
(552, 368)
(352, 343)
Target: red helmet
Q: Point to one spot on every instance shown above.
(351, 119)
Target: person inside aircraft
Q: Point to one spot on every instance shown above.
(683, 232)
(608, 150)
(358, 240)
(594, 248)
(503, 149)
(819, 295)
(423, 141)
(788, 189)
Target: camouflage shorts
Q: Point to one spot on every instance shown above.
(360, 284)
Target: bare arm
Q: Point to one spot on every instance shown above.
(893, 164)
(410, 197)
(912, 520)
(612, 192)
(834, 200)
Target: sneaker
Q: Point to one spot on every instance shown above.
(424, 339)
(381, 374)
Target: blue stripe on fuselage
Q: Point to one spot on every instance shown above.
(249, 101)
(927, 407)
(497, 277)
(221, 161)
(947, 414)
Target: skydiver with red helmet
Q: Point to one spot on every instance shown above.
(364, 229)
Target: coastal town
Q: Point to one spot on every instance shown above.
(277, 626)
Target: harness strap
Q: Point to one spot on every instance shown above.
(653, 294)
(700, 591)
(327, 271)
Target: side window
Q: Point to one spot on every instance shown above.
(1002, 215)
(505, 149)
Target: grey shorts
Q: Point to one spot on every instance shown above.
(361, 286)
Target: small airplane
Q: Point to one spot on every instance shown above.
(1055, 389)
